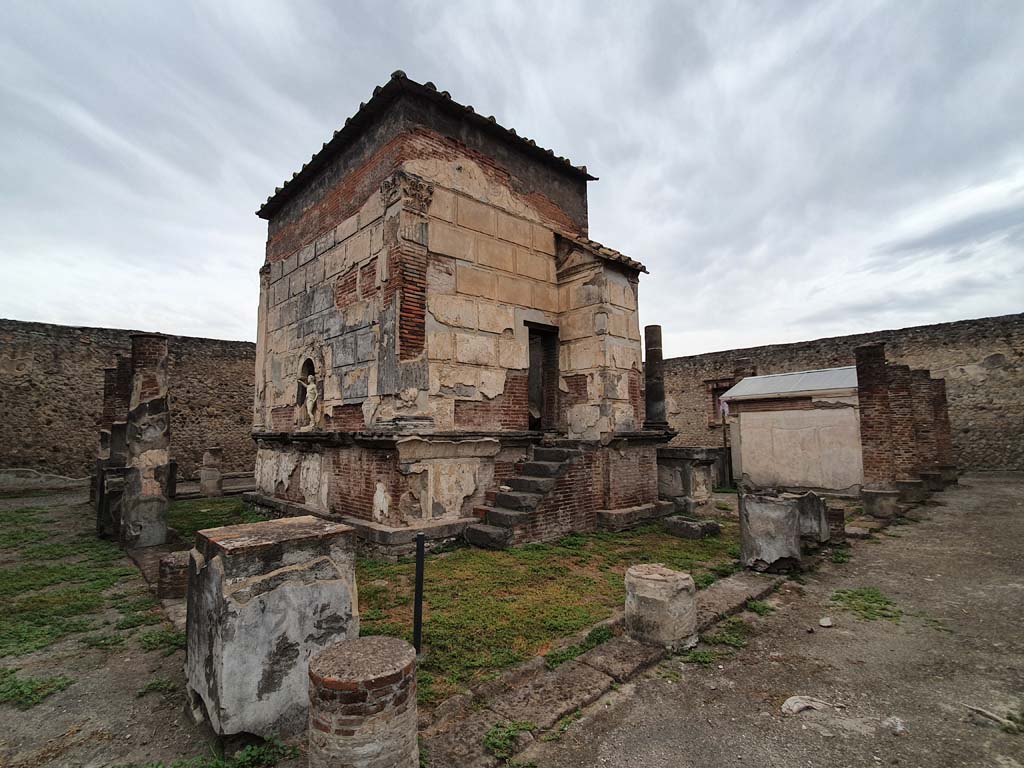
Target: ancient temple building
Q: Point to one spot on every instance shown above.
(440, 344)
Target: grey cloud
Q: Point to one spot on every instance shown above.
(761, 158)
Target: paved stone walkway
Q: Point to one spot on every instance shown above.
(898, 689)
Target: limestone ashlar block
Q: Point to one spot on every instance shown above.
(661, 606)
(476, 216)
(448, 240)
(495, 254)
(515, 230)
(454, 311)
(362, 712)
(263, 598)
(769, 531)
(472, 281)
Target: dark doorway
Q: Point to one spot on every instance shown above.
(543, 377)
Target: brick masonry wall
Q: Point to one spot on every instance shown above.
(981, 360)
(51, 397)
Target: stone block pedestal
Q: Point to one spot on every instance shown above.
(661, 606)
(262, 599)
(912, 491)
(932, 479)
(770, 531)
(881, 504)
(362, 705)
(950, 474)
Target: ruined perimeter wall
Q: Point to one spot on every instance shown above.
(51, 391)
(981, 360)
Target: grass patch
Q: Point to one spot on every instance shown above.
(562, 726)
(732, 632)
(26, 692)
(724, 506)
(594, 638)
(161, 685)
(841, 556)
(187, 517)
(500, 741)
(109, 640)
(868, 603)
(703, 657)
(760, 607)
(166, 640)
(486, 610)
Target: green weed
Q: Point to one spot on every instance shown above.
(732, 632)
(760, 607)
(166, 640)
(841, 556)
(103, 641)
(699, 657)
(500, 741)
(26, 692)
(594, 638)
(868, 603)
(562, 726)
(187, 517)
(724, 506)
(162, 685)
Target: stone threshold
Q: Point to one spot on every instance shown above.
(532, 693)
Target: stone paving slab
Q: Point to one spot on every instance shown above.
(728, 596)
(549, 697)
(621, 658)
(462, 745)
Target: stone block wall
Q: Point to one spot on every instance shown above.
(981, 361)
(51, 397)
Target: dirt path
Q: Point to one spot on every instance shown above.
(958, 578)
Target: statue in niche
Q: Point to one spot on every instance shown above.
(312, 395)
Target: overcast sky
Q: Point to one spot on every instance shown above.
(786, 171)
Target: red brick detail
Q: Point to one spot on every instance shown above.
(901, 422)
(368, 278)
(509, 411)
(924, 420)
(943, 432)
(413, 305)
(873, 404)
(282, 418)
(571, 506)
(575, 393)
(293, 492)
(355, 473)
(345, 292)
(631, 475)
(345, 418)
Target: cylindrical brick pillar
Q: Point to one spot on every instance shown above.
(362, 705)
(873, 405)
(655, 414)
(661, 606)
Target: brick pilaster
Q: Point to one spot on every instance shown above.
(901, 422)
(873, 399)
(943, 432)
(924, 420)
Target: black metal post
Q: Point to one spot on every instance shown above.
(417, 616)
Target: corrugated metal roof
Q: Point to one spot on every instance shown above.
(777, 384)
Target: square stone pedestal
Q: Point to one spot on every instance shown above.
(262, 599)
(770, 531)
(912, 491)
(878, 503)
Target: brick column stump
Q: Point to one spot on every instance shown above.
(362, 705)
(881, 504)
(836, 524)
(661, 606)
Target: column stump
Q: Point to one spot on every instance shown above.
(881, 504)
(661, 606)
(362, 705)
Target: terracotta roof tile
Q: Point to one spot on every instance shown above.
(383, 96)
(604, 252)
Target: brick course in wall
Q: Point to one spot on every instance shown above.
(51, 396)
(982, 362)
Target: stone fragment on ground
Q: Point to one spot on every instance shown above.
(691, 529)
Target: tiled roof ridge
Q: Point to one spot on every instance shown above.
(383, 95)
(604, 252)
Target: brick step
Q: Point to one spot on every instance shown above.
(517, 500)
(531, 484)
(506, 518)
(488, 536)
(554, 454)
(541, 468)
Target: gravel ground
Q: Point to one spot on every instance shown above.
(898, 688)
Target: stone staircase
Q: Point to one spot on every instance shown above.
(533, 480)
